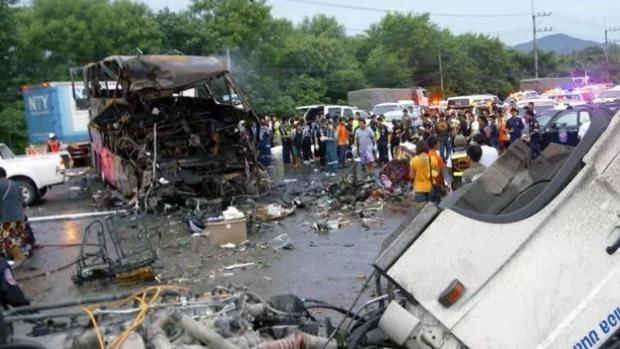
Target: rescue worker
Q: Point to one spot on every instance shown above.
(365, 142)
(421, 173)
(382, 141)
(438, 190)
(329, 141)
(395, 138)
(319, 144)
(514, 125)
(53, 144)
(443, 130)
(503, 136)
(493, 131)
(342, 135)
(534, 133)
(373, 123)
(406, 120)
(458, 161)
(264, 143)
(10, 292)
(355, 123)
(306, 149)
(297, 138)
(285, 130)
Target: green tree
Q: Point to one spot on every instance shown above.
(65, 33)
(12, 122)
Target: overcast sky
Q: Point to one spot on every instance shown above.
(510, 20)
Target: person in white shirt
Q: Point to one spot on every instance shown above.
(489, 154)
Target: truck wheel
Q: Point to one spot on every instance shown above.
(30, 194)
(42, 192)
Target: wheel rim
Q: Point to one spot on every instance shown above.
(25, 193)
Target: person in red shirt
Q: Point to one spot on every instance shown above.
(53, 144)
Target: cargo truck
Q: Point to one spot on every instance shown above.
(367, 99)
(51, 108)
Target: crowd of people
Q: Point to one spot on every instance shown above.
(445, 149)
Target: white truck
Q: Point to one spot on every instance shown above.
(525, 257)
(34, 173)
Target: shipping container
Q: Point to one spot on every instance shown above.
(50, 108)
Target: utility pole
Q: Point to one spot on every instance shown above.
(441, 75)
(608, 30)
(538, 30)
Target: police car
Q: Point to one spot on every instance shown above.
(563, 127)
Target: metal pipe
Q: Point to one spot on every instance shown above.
(74, 216)
(156, 333)
(30, 317)
(79, 301)
(204, 334)
(159, 340)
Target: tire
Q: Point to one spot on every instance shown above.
(42, 192)
(29, 192)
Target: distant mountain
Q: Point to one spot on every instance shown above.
(558, 43)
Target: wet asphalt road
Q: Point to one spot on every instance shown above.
(329, 267)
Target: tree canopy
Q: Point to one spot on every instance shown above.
(279, 64)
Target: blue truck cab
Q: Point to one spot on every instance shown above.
(51, 108)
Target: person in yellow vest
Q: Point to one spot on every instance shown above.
(458, 162)
(356, 122)
(421, 172)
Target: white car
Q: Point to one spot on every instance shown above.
(34, 173)
(608, 96)
(330, 111)
(394, 111)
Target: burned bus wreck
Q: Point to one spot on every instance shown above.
(168, 128)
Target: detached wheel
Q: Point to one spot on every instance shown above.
(29, 192)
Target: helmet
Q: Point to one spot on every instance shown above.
(51, 135)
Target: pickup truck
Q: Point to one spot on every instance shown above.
(35, 174)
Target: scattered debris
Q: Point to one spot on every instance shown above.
(228, 246)
(169, 317)
(273, 212)
(238, 266)
(129, 258)
(280, 242)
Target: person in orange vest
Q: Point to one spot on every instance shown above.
(53, 144)
(503, 135)
(342, 137)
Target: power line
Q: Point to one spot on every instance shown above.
(598, 25)
(383, 10)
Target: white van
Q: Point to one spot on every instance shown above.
(460, 102)
(330, 111)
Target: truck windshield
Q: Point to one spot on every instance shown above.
(382, 109)
(6, 152)
(458, 102)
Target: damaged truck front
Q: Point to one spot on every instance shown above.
(165, 128)
(524, 257)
